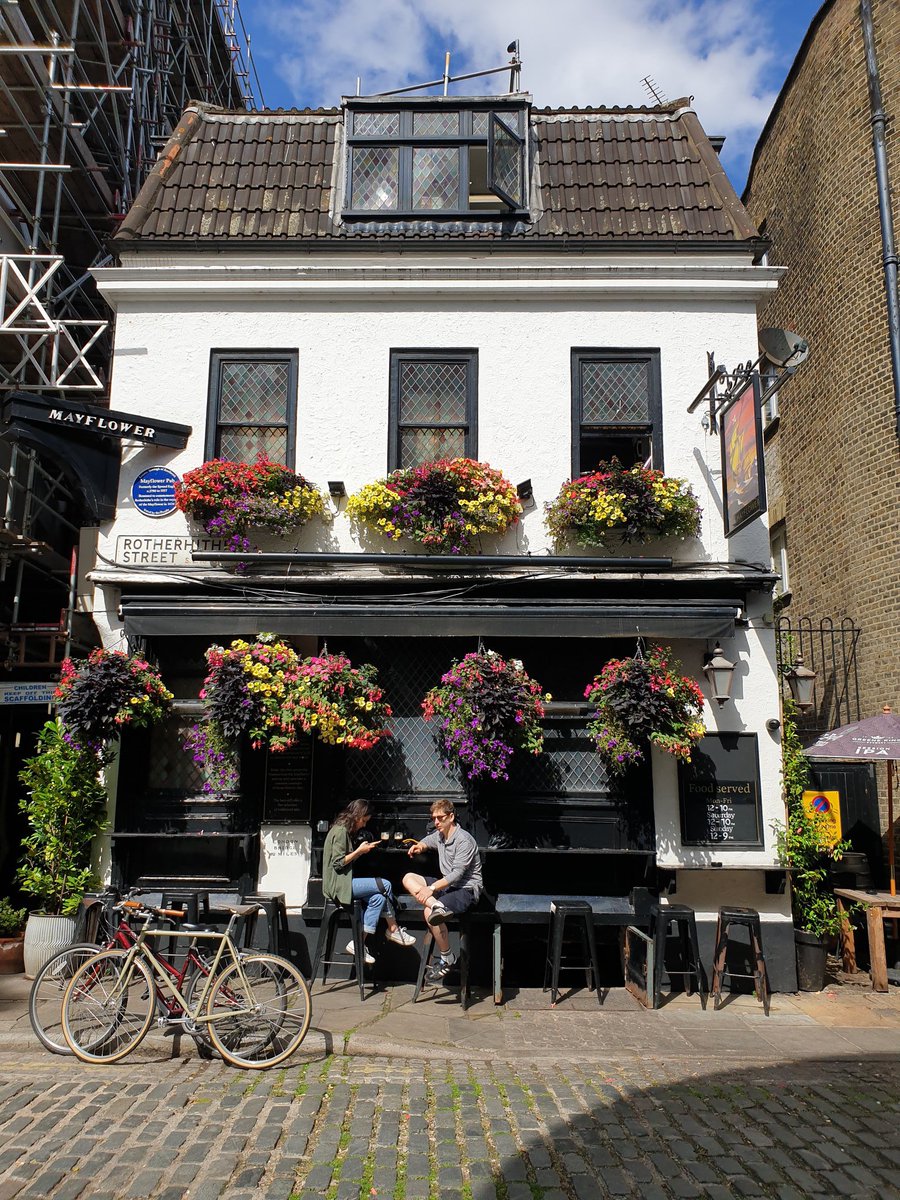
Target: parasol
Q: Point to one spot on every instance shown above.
(876, 739)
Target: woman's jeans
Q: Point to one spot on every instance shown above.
(380, 900)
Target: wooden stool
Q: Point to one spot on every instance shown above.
(662, 918)
(748, 917)
(332, 915)
(582, 913)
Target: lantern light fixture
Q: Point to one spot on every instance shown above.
(720, 672)
(801, 681)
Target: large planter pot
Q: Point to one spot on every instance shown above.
(12, 955)
(811, 958)
(44, 937)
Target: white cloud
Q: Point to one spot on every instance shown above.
(574, 51)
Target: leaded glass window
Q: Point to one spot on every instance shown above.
(616, 408)
(252, 403)
(432, 406)
(427, 157)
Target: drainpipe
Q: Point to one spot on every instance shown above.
(889, 256)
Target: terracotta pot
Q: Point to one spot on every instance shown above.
(45, 936)
(12, 955)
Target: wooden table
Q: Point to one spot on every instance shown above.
(879, 907)
(513, 909)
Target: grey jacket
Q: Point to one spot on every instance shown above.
(458, 858)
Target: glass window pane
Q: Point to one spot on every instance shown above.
(505, 162)
(254, 392)
(377, 124)
(245, 443)
(435, 177)
(375, 177)
(432, 391)
(615, 393)
(424, 445)
(480, 124)
(440, 124)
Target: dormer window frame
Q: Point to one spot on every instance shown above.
(506, 123)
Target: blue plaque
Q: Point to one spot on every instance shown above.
(153, 492)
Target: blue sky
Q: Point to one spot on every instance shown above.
(730, 55)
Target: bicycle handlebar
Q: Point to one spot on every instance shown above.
(175, 913)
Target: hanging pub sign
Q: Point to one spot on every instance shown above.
(93, 422)
(288, 787)
(743, 470)
(719, 793)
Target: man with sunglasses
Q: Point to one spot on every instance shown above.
(458, 886)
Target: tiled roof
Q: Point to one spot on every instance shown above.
(603, 176)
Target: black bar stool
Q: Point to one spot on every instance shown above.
(193, 904)
(749, 918)
(332, 915)
(582, 914)
(462, 964)
(662, 918)
(274, 906)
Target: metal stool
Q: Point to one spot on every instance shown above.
(462, 964)
(274, 906)
(662, 918)
(331, 918)
(748, 917)
(193, 904)
(581, 912)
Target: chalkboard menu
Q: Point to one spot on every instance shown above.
(288, 790)
(719, 793)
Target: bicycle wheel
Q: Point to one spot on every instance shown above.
(200, 1033)
(271, 1011)
(45, 1000)
(108, 1007)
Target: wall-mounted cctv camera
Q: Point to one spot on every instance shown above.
(773, 724)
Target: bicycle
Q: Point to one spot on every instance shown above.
(255, 1009)
(49, 987)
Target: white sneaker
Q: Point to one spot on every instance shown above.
(400, 937)
(351, 950)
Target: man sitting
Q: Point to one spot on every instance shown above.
(458, 887)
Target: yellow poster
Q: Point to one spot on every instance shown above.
(827, 805)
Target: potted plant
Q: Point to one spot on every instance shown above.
(12, 938)
(445, 506)
(640, 702)
(806, 846)
(635, 503)
(108, 690)
(265, 690)
(66, 809)
(228, 498)
(487, 707)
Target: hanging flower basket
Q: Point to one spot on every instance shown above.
(487, 708)
(445, 505)
(636, 503)
(265, 690)
(640, 702)
(108, 690)
(228, 498)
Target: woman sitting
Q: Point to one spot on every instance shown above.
(340, 885)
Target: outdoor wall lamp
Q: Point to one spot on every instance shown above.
(801, 681)
(524, 490)
(336, 488)
(720, 673)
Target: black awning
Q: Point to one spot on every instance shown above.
(225, 619)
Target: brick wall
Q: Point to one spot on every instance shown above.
(835, 458)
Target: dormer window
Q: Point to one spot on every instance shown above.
(435, 158)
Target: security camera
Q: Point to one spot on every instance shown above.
(773, 724)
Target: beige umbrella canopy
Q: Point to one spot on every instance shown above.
(876, 739)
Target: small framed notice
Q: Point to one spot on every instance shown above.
(719, 793)
(288, 787)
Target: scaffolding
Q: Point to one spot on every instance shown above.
(89, 92)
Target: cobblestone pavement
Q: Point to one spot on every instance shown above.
(342, 1128)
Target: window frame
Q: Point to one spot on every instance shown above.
(654, 427)
(217, 360)
(399, 356)
(513, 119)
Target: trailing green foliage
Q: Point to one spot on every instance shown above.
(66, 809)
(804, 842)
